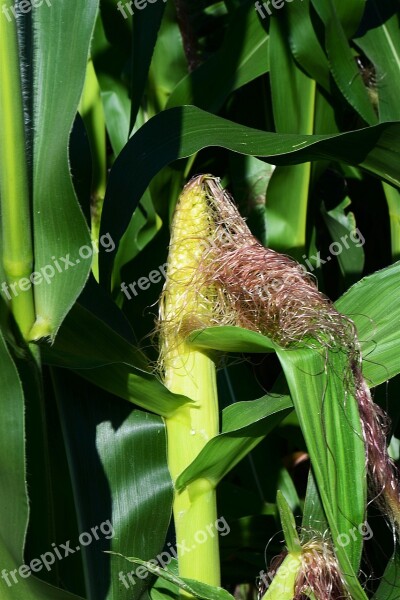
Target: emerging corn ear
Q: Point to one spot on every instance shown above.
(192, 374)
(219, 274)
(312, 572)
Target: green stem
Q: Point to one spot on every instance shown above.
(191, 373)
(17, 254)
(189, 429)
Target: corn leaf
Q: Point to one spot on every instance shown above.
(340, 223)
(330, 423)
(14, 503)
(389, 587)
(124, 458)
(304, 43)
(97, 353)
(345, 72)
(180, 132)
(230, 339)
(197, 589)
(373, 305)
(292, 540)
(145, 27)
(60, 56)
(245, 424)
(287, 219)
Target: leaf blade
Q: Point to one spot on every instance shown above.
(373, 306)
(242, 431)
(180, 132)
(58, 222)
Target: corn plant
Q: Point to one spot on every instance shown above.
(200, 322)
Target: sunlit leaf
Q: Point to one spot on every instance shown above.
(373, 305)
(60, 54)
(180, 132)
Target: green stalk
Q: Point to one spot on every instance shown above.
(188, 431)
(17, 254)
(193, 374)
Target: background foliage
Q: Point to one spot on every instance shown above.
(313, 90)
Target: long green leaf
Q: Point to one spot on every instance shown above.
(60, 57)
(195, 588)
(14, 504)
(389, 587)
(122, 452)
(304, 43)
(245, 424)
(288, 524)
(373, 305)
(230, 339)
(342, 63)
(146, 24)
(97, 353)
(288, 191)
(330, 423)
(180, 132)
